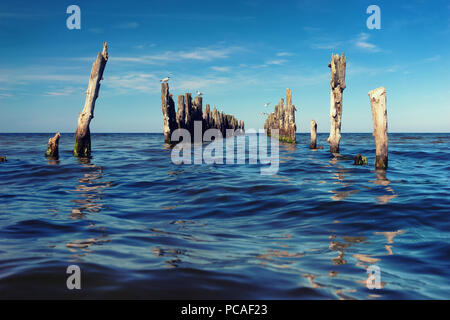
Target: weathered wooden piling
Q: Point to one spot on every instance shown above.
(52, 147)
(283, 119)
(3, 159)
(379, 116)
(82, 146)
(189, 111)
(168, 110)
(337, 86)
(313, 126)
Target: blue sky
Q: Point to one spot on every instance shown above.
(241, 54)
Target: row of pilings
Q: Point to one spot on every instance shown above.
(283, 117)
(188, 111)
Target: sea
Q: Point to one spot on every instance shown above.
(139, 226)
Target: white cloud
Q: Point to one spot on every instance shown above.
(220, 69)
(127, 25)
(64, 92)
(362, 43)
(284, 54)
(198, 54)
(434, 58)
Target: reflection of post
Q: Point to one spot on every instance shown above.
(337, 86)
(313, 143)
(379, 116)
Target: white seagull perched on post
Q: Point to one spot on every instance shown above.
(164, 80)
(266, 104)
(199, 93)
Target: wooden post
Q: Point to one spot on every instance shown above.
(379, 116)
(52, 147)
(181, 117)
(82, 146)
(337, 86)
(168, 111)
(313, 125)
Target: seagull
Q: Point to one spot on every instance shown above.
(165, 79)
(199, 93)
(263, 113)
(266, 104)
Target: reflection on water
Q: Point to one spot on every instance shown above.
(90, 189)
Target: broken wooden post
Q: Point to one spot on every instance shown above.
(82, 146)
(52, 147)
(283, 119)
(168, 110)
(313, 125)
(379, 116)
(360, 160)
(337, 86)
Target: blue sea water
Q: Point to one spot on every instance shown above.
(140, 226)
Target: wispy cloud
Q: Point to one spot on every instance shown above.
(434, 58)
(64, 92)
(363, 43)
(221, 69)
(127, 25)
(284, 54)
(142, 82)
(197, 54)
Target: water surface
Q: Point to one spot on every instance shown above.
(140, 226)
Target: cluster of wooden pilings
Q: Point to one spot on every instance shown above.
(283, 120)
(188, 111)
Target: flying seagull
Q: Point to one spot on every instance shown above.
(266, 104)
(263, 113)
(199, 93)
(165, 79)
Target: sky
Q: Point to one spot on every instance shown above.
(240, 54)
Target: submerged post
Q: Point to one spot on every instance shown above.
(337, 86)
(379, 116)
(313, 125)
(52, 147)
(82, 146)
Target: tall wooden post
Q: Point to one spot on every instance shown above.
(313, 125)
(52, 147)
(82, 146)
(337, 86)
(379, 116)
(168, 110)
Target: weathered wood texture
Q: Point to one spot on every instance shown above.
(189, 111)
(82, 146)
(168, 110)
(337, 86)
(379, 116)
(283, 119)
(52, 147)
(313, 126)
